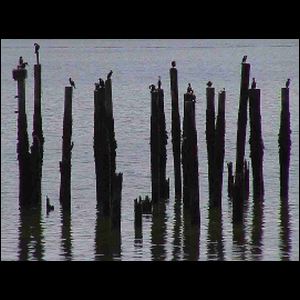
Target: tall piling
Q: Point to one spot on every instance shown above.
(219, 151)
(256, 144)
(138, 218)
(284, 143)
(240, 145)
(210, 138)
(190, 160)
(176, 132)
(65, 163)
(230, 181)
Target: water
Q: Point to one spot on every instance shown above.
(269, 233)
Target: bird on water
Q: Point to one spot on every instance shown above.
(72, 83)
(253, 84)
(173, 63)
(244, 59)
(287, 84)
(109, 74)
(36, 48)
(209, 84)
(49, 207)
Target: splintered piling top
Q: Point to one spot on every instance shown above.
(19, 74)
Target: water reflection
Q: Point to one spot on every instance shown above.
(191, 240)
(215, 246)
(239, 241)
(257, 229)
(31, 234)
(66, 234)
(107, 239)
(285, 239)
(158, 231)
(177, 230)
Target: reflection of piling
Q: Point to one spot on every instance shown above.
(284, 232)
(210, 137)
(256, 144)
(66, 235)
(284, 143)
(190, 160)
(219, 152)
(175, 131)
(116, 201)
(240, 145)
(65, 163)
(25, 175)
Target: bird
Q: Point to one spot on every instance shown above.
(20, 60)
(152, 87)
(36, 48)
(173, 63)
(159, 83)
(287, 84)
(244, 58)
(97, 85)
(101, 82)
(189, 88)
(72, 83)
(23, 65)
(49, 207)
(253, 85)
(209, 84)
(109, 74)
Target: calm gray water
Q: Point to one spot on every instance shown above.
(272, 235)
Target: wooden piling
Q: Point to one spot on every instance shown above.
(284, 143)
(138, 218)
(230, 179)
(65, 163)
(219, 152)
(25, 174)
(210, 138)
(240, 145)
(190, 160)
(176, 131)
(256, 144)
(116, 201)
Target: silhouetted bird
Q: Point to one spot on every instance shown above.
(253, 85)
(21, 60)
(173, 63)
(23, 65)
(287, 84)
(101, 82)
(152, 87)
(36, 48)
(244, 59)
(49, 207)
(159, 83)
(97, 86)
(189, 88)
(109, 74)
(72, 83)
(209, 84)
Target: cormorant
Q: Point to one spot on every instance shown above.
(173, 63)
(72, 83)
(152, 87)
(287, 84)
(189, 88)
(109, 74)
(209, 84)
(36, 48)
(23, 65)
(21, 60)
(244, 59)
(159, 83)
(101, 82)
(253, 85)
(49, 207)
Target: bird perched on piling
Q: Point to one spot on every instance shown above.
(189, 89)
(72, 83)
(159, 83)
(36, 48)
(152, 87)
(173, 64)
(253, 85)
(101, 83)
(287, 84)
(23, 65)
(109, 74)
(209, 84)
(49, 207)
(21, 60)
(97, 86)
(244, 58)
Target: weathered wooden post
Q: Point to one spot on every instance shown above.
(116, 201)
(256, 144)
(176, 132)
(219, 152)
(284, 143)
(210, 138)
(230, 179)
(240, 145)
(138, 218)
(25, 173)
(65, 163)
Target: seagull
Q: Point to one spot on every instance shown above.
(109, 74)
(72, 83)
(287, 84)
(253, 85)
(209, 84)
(152, 87)
(101, 83)
(244, 59)
(49, 207)
(173, 63)
(159, 83)
(36, 48)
